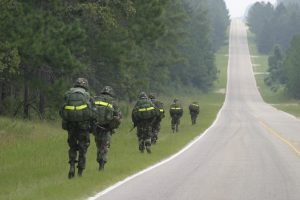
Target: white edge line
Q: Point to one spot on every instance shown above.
(118, 184)
(157, 164)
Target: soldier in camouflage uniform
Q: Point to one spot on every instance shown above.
(156, 123)
(78, 131)
(176, 112)
(194, 111)
(103, 131)
(143, 115)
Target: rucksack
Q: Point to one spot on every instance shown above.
(77, 106)
(194, 108)
(105, 110)
(176, 109)
(160, 106)
(144, 109)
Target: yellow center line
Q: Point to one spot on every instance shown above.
(271, 130)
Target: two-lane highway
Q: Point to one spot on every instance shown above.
(250, 153)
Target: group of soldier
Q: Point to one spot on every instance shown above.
(83, 114)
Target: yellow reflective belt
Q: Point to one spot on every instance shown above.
(146, 109)
(101, 103)
(161, 110)
(81, 107)
(176, 108)
(195, 105)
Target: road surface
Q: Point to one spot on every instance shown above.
(252, 152)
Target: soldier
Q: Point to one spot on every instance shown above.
(156, 124)
(108, 118)
(77, 116)
(176, 112)
(194, 111)
(143, 115)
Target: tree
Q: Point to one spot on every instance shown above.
(276, 76)
(292, 67)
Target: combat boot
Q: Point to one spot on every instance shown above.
(148, 149)
(141, 146)
(80, 171)
(71, 171)
(101, 164)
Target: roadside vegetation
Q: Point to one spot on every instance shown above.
(34, 153)
(279, 98)
(173, 48)
(274, 40)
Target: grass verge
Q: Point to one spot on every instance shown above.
(34, 161)
(279, 99)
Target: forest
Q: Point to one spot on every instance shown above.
(131, 45)
(277, 30)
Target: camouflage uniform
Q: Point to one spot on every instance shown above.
(156, 124)
(144, 126)
(176, 112)
(194, 111)
(103, 133)
(78, 132)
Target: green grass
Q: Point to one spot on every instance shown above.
(279, 99)
(34, 161)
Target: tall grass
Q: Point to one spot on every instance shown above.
(279, 99)
(34, 160)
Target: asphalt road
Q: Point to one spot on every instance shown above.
(252, 151)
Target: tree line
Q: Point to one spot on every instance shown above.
(131, 45)
(277, 30)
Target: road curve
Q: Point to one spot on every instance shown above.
(252, 152)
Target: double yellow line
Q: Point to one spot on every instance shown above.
(274, 132)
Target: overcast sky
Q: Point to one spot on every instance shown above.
(237, 8)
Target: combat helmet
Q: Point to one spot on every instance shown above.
(82, 82)
(151, 96)
(143, 95)
(108, 90)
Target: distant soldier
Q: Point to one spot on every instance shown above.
(108, 118)
(194, 111)
(143, 116)
(176, 112)
(156, 124)
(77, 114)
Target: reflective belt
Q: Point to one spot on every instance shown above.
(146, 109)
(176, 108)
(195, 105)
(81, 107)
(161, 110)
(102, 103)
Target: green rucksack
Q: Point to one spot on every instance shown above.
(160, 106)
(176, 109)
(77, 106)
(194, 108)
(105, 110)
(144, 109)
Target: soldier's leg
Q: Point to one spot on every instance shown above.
(177, 124)
(147, 137)
(84, 142)
(173, 123)
(103, 148)
(154, 132)
(140, 138)
(73, 146)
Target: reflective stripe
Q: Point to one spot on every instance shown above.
(102, 103)
(161, 110)
(195, 105)
(146, 109)
(81, 107)
(176, 108)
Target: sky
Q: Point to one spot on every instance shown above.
(237, 8)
